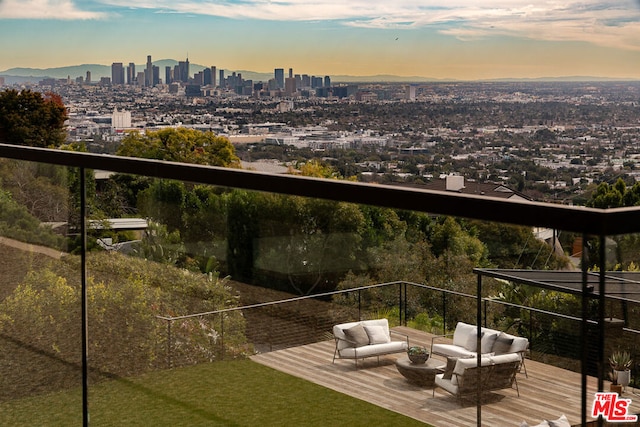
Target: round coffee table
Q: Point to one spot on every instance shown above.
(422, 374)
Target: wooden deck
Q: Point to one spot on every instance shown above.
(547, 393)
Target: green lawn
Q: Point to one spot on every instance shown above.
(232, 393)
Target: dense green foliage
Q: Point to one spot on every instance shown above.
(621, 251)
(125, 296)
(43, 189)
(615, 196)
(31, 118)
(515, 246)
(441, 254)
(180, 145)
(304, 245)
(16, 222)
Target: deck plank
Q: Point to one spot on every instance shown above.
(547, 393)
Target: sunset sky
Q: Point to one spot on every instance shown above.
(457, 39)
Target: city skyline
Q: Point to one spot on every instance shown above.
(432, 39)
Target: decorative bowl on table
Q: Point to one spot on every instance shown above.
(418, 354)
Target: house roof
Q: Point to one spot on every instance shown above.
(489, 189)
(620, 285)
(120, 224)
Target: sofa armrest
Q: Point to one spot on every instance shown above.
(351, 343)
(391, 331)
(439, 337)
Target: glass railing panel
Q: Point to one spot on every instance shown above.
(206, 250)
(622, 311)
(40, 295)
(183, 275)
(544, 309)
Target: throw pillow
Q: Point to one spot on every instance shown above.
(487, 342)
(357, 335)
(542, 424)
(472, 340)
(448, 370)
(377, 334)
(560, 422)
(502, 344)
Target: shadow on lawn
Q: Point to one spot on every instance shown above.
(64, 374)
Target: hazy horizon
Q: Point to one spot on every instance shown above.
(22, 74)
(433, 39)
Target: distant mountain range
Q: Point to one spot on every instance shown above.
(23, 75)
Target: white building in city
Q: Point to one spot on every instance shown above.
(120, 119)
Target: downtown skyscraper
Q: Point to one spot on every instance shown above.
(148, 72)
(279, 76)
(117, 73)
(131, 73)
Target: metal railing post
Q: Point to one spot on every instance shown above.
(169, 342)
(602, 264)
(485, 313)
(479, 350)
(169, 357)
(84, 329)
(530, 329)
(270, 330)
(222, 336)
(406, 303)
(444, 312)
(400, 303)
(584, 328)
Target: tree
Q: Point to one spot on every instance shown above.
(242, 228)
(544, 135)
(41, 188)
(31, 118)
(450, 239)
(615, 196)
(316, 169)
(16, 222)
(515, 246)
(181, 145)
(164, 201)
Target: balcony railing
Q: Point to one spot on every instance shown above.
(308, 318)
(589, 223)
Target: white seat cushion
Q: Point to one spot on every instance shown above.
(373, 349)
(452, 350)
(461, 334)
(446, 384)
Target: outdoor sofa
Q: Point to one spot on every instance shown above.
(366, 338)
(460, 377)
(493, 342)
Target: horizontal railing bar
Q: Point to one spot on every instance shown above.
(569, 218)
(360, 288)
(493, 300)
(270, 303)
